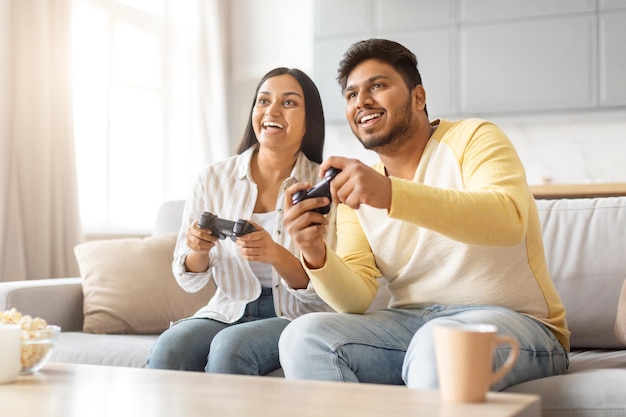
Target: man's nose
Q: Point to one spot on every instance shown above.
(363, 99)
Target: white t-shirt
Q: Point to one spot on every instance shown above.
(263, 270)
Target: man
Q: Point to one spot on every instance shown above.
(446, 217)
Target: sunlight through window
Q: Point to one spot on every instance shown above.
(118, 103)
(144, 87)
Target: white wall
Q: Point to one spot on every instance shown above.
(574, 148)
(264, 35)
(569, 147)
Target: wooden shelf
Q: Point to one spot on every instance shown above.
(552, 191)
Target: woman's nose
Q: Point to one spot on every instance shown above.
(273, 109)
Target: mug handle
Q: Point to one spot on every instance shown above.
(510, 361)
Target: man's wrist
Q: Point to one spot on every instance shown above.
(314, 259)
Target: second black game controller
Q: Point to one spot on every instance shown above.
(321, 189)
(223, 228)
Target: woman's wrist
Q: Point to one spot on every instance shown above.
(197, 261)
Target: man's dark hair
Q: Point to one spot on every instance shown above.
(383, 50)
(313, 141)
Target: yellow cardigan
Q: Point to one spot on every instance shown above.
(465, 230)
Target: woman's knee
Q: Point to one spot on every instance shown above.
(165, 353)
(229, 352)
(184, 346)
(249, 348)
(230, 342)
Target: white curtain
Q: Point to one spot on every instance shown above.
(39, 210)
(40, 221)
(198, 91)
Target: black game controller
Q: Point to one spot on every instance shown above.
(224, 228)
(321, 189)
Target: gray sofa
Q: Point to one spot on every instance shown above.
(585, 243)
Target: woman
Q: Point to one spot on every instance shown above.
(260, 283)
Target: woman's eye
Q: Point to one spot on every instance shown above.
(289, 103)
(377, 85)
(262, 100)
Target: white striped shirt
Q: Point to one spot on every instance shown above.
(227, 190)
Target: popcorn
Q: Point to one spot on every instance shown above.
(31, 352)
(11, 316)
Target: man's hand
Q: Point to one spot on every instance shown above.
(306, 227)
(358, 184)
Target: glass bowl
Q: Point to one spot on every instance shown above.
(37, 347)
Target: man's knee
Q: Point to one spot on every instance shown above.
(304, 327)
(300, 335)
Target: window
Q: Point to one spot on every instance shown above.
(148, 75)
(119, 50)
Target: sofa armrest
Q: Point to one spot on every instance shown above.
(57, 300)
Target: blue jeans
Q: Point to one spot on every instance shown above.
(395, 346)
(248, 347)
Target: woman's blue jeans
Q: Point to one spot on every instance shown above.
(395, 346)
(248, 347)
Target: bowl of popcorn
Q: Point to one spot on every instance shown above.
(38, 339)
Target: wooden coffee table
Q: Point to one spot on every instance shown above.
(68, 390)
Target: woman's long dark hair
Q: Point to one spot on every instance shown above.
(313, 141)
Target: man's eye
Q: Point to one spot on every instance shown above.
(377, 85)
(350, 96)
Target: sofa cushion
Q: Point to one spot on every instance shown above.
(598, 393)
(620, 320)
(128, 286)
(585, 248)
(98, 349)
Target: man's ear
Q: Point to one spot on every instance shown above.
(419, 97)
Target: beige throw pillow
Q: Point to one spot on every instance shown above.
(128, 286)
(620, 320)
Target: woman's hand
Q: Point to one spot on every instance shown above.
(200, 241)
(258, 246)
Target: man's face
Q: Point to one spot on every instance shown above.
(379, 107)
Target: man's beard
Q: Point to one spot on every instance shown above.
(398, 136)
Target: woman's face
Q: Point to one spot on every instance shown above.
(278, 117)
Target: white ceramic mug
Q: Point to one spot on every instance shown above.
(10, 345)
(464, 355)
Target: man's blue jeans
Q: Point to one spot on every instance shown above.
(395, 346)
(247, 347)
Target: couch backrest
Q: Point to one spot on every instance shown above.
(585, 245)
(169, 217)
